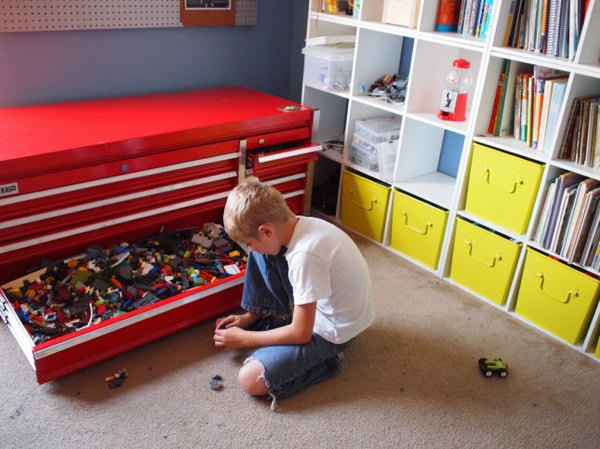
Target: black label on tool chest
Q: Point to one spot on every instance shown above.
(9, 189)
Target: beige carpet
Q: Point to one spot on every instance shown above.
(410, 381)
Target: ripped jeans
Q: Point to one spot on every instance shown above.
(287, 368)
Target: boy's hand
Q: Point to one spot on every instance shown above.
(231, 338)
(243, 321)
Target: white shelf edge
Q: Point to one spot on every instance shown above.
(431, 119)
(520, 149)
(535, 245)
(399, 109)
(493, 226)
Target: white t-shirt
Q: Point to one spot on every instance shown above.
(326, 266)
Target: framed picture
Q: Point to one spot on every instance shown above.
(207, 5)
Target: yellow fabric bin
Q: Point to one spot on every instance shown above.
(597, 353)
(417, 229)
(364, 205)
(502, 188)
(557, 297)
(482, 261)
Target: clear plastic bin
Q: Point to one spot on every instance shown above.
(378, 129)
(379, 157)
(328, 67)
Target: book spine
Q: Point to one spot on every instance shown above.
(537, 111)
(447, 19)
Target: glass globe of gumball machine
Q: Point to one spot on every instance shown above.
(455, 94)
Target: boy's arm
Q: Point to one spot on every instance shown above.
(298, 332)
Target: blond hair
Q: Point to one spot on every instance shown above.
(252, 204)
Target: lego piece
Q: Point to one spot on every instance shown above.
(115, 380)
(216, 383)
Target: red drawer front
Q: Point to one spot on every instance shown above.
(265, 140)
(122, 169)
(137, 202)
(296, 203)
(22, 256)
(51, 361)
(271, 163)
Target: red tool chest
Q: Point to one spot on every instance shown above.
(112, 170)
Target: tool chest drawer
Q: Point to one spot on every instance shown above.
(131, 173)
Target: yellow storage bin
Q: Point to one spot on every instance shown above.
(364, 205)
(597, 353)
(483, 261)
(502, 188)
(417, 229)
(557, 297)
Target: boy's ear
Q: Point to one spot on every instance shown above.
(266, 229)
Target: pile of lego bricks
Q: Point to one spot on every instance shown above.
(107, 282)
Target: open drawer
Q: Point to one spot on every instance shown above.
(69, 352)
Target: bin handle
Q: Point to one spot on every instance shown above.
(373, 201)
(496, 258)
(574, 292)
(418, 231)
(513, 189)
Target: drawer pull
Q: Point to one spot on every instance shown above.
(512, 189)
(418, 231)
(496, 258)
(573, 292)
(373, 201)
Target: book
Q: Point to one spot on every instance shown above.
(563, 30)
(545, 129)
(591, 135)
(597, 141)
(524, 106)
(558, 92)
(517, 108)
(564, 181)
(401, 12)
(593, 239)
(506, 122)
(496, 104)
(553, 27)
(530, 107)
(537, 111)
(542, 225)
(576, 231)
(564, 215)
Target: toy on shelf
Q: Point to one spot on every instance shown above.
(455, 94)
(488, 367)
(389, 88)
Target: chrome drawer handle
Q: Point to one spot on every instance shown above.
(418, 231)
(512, 189)
(373, 201)
(496, 258)
(574, 292)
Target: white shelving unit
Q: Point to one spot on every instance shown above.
(379, 50)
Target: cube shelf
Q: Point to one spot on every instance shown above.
(434, 157)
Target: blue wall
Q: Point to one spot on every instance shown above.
(47, 67)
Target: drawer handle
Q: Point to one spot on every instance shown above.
(573, 292)
(496, 258)
(512, 189)
(373, 201)
(418, 231)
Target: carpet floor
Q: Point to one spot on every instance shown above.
(409, 381)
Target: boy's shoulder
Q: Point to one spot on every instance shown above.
(314, 232)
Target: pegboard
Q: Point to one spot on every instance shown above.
(47, 15)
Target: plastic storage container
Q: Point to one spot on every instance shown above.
(328, 67)
(377, 157)
(378, 129)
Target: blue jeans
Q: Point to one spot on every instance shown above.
(287, 368)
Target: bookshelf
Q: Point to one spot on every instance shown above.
(433, 160)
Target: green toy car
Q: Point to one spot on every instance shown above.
(488, 367)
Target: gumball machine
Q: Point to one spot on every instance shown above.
(455, 94)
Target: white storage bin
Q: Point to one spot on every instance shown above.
(377, 157)
(328, 66)
(378, 129)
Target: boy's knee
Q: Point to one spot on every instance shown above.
(251, 378)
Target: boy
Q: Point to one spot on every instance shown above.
(297, 260)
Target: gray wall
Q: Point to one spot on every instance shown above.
(47, 67)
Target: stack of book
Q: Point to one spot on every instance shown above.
(569, 224)
(551, 27)
(474, 17)
(581, 140)
(527, 103)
